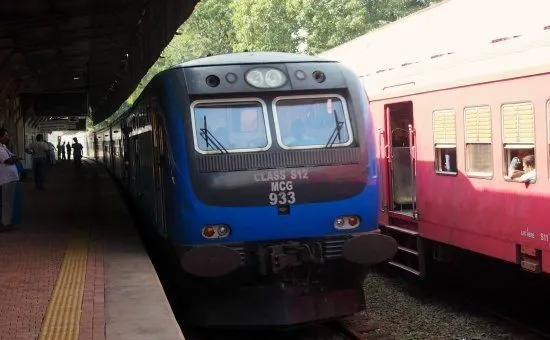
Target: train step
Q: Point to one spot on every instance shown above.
(410, 254)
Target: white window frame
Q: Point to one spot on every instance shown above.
(312, 96)
(439, 146)
(231, 101)
(507, 147)
(479, 174)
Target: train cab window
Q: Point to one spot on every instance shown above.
(231, 125)
(444, 130)
(518, 135)
(478, 137)
(310, 122)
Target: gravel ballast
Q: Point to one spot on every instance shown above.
(398, 310)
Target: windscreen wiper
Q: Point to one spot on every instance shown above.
(336, 132)
(210, 139)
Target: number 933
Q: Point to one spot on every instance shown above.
(282, 198)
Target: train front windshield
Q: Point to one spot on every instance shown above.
(230, 126)
(301, 122)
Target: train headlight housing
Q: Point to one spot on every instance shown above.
(347, 222)
(265, 78)
(216, 231)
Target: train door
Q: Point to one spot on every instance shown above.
(136, 166)
(158, 167)
(126, 153)
(401, 158)
(400, 188)
(96, 147)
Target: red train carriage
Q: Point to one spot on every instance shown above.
(449, 129)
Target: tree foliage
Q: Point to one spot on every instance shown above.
(299, 26)
(264, 25)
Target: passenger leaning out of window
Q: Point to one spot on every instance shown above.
(528, 173)
(515, 168)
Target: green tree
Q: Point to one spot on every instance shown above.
(329, 23)
(381, 12)
(306, 26)
(264, 25)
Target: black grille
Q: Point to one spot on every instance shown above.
(332, 248)
(272, 160)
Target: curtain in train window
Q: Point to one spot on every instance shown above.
(478, 137)
(518, 137)
(444, 130)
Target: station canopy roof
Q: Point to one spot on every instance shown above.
(67, 57)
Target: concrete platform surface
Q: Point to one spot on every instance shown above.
(75, 267)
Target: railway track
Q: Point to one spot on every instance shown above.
(333, 330)
(346, 331)
(520, 325)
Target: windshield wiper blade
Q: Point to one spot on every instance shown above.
(336, 132)
(210, 139)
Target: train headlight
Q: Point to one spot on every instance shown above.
(216, 231)
(265, 78)
(347, 222)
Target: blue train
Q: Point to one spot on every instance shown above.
(259, 171)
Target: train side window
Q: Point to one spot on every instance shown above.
(444, 131)
(478, 137)
(518, 136)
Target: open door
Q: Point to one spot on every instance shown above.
(401, 158)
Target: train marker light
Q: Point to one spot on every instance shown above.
(319, 76)
(300, 75)
(231, 77)
(208, 232)
(212, 80)
(216, 231)
(223, 231)
(346, 222)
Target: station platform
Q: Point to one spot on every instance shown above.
(75, 267)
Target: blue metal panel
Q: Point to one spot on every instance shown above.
(264, 223)
(187, 215)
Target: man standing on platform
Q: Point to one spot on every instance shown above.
(9, 176)
(77, 154)
(39, 151)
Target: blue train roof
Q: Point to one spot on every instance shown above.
(250, 58)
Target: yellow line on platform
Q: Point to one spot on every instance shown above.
(62, 319)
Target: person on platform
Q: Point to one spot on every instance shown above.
(51, 153)
(77, 154)
(9, 178)
(68, 146)
(60, 148)
(63, 151)
(39, 151)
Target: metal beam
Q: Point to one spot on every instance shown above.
(45, 18)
